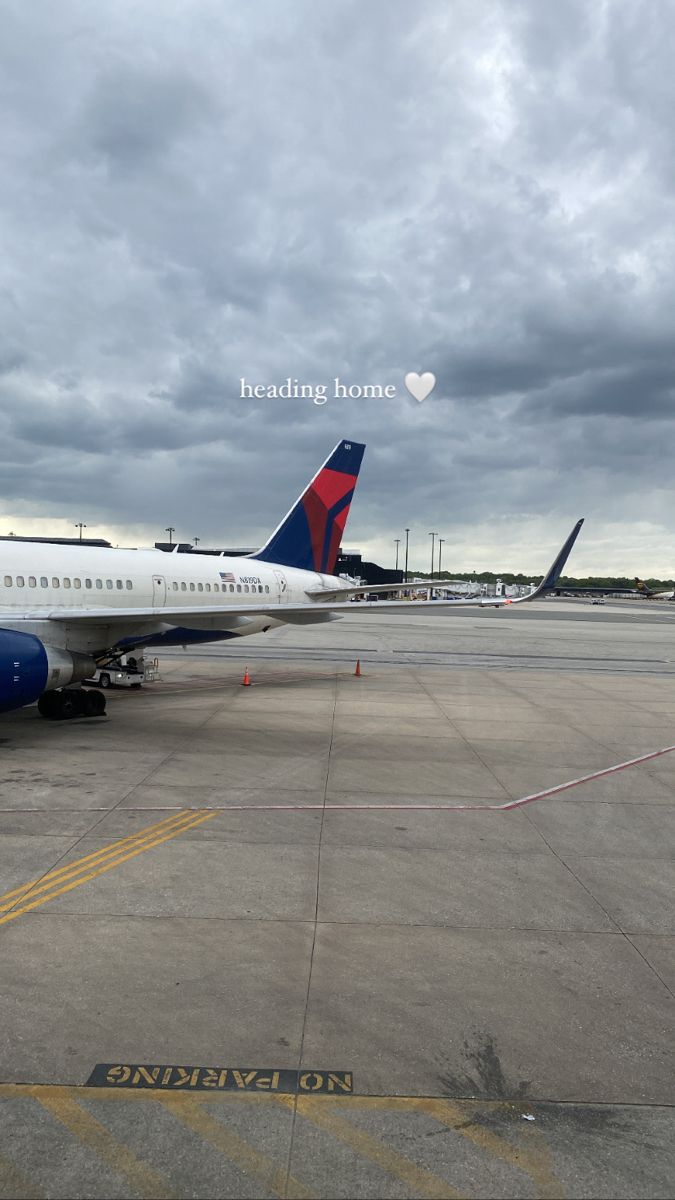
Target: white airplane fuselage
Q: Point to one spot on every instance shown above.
(39, 576)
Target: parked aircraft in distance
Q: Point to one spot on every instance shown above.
(66, 610)
(640, 589)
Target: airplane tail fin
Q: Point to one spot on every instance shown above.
(309, 535)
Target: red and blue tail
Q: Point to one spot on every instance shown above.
(309, 536)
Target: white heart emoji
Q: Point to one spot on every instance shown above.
(420, 386)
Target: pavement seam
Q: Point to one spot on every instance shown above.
(327, 1117)
(629, 939)
(246, 1157)
(314, 931)
(459, 733)
(20, 907)
(588, 891)
(109, 811)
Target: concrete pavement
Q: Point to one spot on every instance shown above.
(469, 969)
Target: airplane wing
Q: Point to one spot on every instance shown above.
(301, 613)
(362, 589)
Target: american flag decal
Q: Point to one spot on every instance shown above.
(227, 576)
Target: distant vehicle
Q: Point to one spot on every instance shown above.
(126, 671)
(598, 600)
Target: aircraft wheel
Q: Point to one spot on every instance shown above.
(48, 705)
(72, 704)
(95, 704)
(104, 680)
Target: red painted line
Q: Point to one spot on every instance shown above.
(543, 795)
(506, 807)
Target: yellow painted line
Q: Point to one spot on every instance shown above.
(549, 1186)
(197, 819)
(70, 870)
(14, 1183)
(530, 1160)
(144, 1181)
(420, 1181)
(252, 1162)
(57, 872)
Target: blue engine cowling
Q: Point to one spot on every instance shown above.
(24, 669)
(28, 668)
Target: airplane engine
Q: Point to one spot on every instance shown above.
(29, 667)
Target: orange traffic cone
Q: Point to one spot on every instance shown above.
(358, 667)
(246, 681)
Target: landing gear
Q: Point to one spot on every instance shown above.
(94, 703)
(71, 702)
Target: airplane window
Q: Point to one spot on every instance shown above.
(183, 587)
(99, 584)
(245, 587)
(20, 582)
(130, 585)
(260, 587)
(8, 580)
(238, 587)
(119, 585)
(44, 582)
(55, 582)
(267, 587)
(108, 584)
(231, 587)
(200, 587)
(87, 583)
(32, 582)
(192, 587)
(208, 587)
(175, 587)
(77, 583)
(66, 582)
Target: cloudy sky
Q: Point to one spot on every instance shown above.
(196, 191)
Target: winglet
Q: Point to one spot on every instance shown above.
(556, 569)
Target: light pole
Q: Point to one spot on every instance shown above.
(432, 536)
(407, 534)
(397, 540)
(171, 529)
(80, 525)
(196, 541)
(440, 551)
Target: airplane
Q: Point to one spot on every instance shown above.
(66, 610)
(640, 589)
(651, 595)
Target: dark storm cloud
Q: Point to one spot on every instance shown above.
(196, 194)
(134, 116)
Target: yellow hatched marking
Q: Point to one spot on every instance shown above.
(149, 844)
(144, 1181)
(68, 868)
(249, 1160)
(548, 1185)
(14, 1183)
(531, 1161)
(534, 1160)
(420, 1181)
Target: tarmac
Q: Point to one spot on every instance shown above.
(252, 945)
